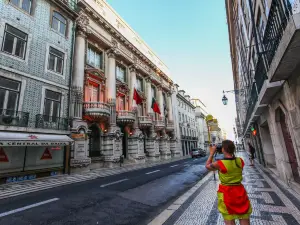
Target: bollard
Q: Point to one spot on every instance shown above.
(121, 160)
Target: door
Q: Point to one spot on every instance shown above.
(289, 146)
(124, 142)
(94, 142)
(94, 93)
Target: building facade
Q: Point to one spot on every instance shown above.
(110, 62)
(265, 61)
(36, 39)
(201, 126)
(187, 122)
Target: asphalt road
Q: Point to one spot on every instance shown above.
(131, 198)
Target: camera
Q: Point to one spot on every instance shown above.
(219, 148)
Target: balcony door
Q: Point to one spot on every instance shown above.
(121, 103)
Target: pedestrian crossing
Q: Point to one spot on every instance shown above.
(24, 187)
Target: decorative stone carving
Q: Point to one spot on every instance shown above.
(77, 94)
(133, 68)
(82, 22)
(78, 163)
(112, 53)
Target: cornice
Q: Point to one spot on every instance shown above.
(115, 34)
(185, 101)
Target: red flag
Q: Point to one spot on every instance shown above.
(155, 106)
(137, 97)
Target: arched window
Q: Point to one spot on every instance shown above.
(59, 23)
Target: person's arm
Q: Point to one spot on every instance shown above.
(212, 166)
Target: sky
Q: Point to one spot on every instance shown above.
(191, 38)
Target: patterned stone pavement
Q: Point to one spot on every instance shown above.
(273, 203)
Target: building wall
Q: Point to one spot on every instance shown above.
(33, 70)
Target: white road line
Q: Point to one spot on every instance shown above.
(27, 207)
(115, 182)
(174, 165)
(155, 171)
(195, 159)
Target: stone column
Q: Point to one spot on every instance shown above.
(161, 101)
(136, 141)
(112, 140)
(111, 85)
(149, 96)
(79, 153)
(78, 70)
(170, 108)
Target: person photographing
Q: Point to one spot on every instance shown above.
(233, 201)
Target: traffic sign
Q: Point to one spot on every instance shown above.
(3, 156)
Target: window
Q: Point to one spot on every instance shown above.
(121, 73)
(153, 93)
(121, 103)
(23, 4)
(14, 41)
(94, 93)
(52, 105)
(9, 95)
(59, 23)
(94, 58)
(139, 84)
(56, 60)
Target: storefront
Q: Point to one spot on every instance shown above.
(25, 156)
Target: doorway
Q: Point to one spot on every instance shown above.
(288, 143)
(94, 141)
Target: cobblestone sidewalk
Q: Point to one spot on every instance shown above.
(19, 188)
(273, 203)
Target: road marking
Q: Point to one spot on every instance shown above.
(174, 165)
(27, 207)
(155, 171)
(195, 159)
(115, 182)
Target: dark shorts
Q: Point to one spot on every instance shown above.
(252, 156)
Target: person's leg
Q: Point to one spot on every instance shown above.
(245, 222)
(229, 222)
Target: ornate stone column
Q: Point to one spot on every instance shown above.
(170, 107)
(79, 151)
(149, 96)
(112, 140)
(78, 69)
(160, 101)
(135, 142)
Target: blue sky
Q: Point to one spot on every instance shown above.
(191, 38)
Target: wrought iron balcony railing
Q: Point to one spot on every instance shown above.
(280, 12)
(51, 122)
(72, 4)
(10, 117)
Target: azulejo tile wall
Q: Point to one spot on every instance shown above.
(40, 37)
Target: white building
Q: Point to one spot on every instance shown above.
(187, 122)
(201, 126)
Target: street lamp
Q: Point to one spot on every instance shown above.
(225, 100)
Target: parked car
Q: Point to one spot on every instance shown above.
(202, 152)
(195, 153)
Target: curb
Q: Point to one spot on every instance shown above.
(167, 213)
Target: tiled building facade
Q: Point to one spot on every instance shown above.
(36, 39)
(265, 60)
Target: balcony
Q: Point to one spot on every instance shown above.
(170, 126)
(67, 4)
(125, 117)
(282, 41)
(96, 111)
(51, 122)
(13, 118)
(159, 124)
(145, 122)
